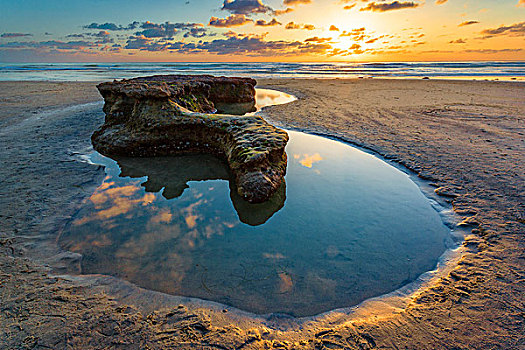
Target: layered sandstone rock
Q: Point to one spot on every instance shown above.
(169, 115)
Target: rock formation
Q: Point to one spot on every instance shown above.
(170, 115)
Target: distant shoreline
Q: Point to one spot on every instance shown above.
(478, 70)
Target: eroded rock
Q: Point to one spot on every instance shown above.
(169, 115)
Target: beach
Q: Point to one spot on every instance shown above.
(465, 138)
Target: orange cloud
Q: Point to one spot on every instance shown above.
(263, 23)
(285, 282)
(467, 23)
(309, 160)
(234, 20)
(296, 2)
(389, 6)
(282, 12)
(163, 217)
(293, 25)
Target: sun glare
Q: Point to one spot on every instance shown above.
(349, 30)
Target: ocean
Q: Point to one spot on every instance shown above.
(510, 71)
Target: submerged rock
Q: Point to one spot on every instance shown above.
(170, 115)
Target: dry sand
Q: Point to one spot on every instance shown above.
(465, 137)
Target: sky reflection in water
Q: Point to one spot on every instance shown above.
(267, 97)
(345, 227)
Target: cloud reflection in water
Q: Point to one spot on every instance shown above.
(176, 225)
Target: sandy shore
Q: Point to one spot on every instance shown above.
(467, 138)
(23, 99)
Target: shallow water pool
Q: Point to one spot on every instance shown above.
(346, 226)
(268, 97)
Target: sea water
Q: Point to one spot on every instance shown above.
(107, 71)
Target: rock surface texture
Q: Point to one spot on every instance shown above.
(171, 114)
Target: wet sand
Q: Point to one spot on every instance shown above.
(467, 138)
(23, 99)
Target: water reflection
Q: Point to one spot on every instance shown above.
(265, 97)
(171, 175)
(351, 227)
(307, 160)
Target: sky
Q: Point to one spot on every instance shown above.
(261, 30)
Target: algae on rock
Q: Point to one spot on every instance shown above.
(170, 115)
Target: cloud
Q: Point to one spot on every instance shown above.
(490, 51)
(350, 4)
(235, 44)
(154, 30)
(521, 3)
(389, 6)
(112, 26)
(234, 20)
(318, 40)
(187, 25)
(467, 23)
(252, 45)
(357, 34)
(373, 40)
(75, 36)
(197, 33)
(115, 48)
(101, 34)
(296, 2)
(440, 2)
(517, 29)
(458, 41)
(282, 12)
(334, 28)
(263, 23)
(51, 44)
(246, 7)
(230, 33)
(355, 49)
(360, 34)
(146, 44)
(14, 35)
(293, 25)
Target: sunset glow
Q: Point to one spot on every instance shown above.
(261, 30)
